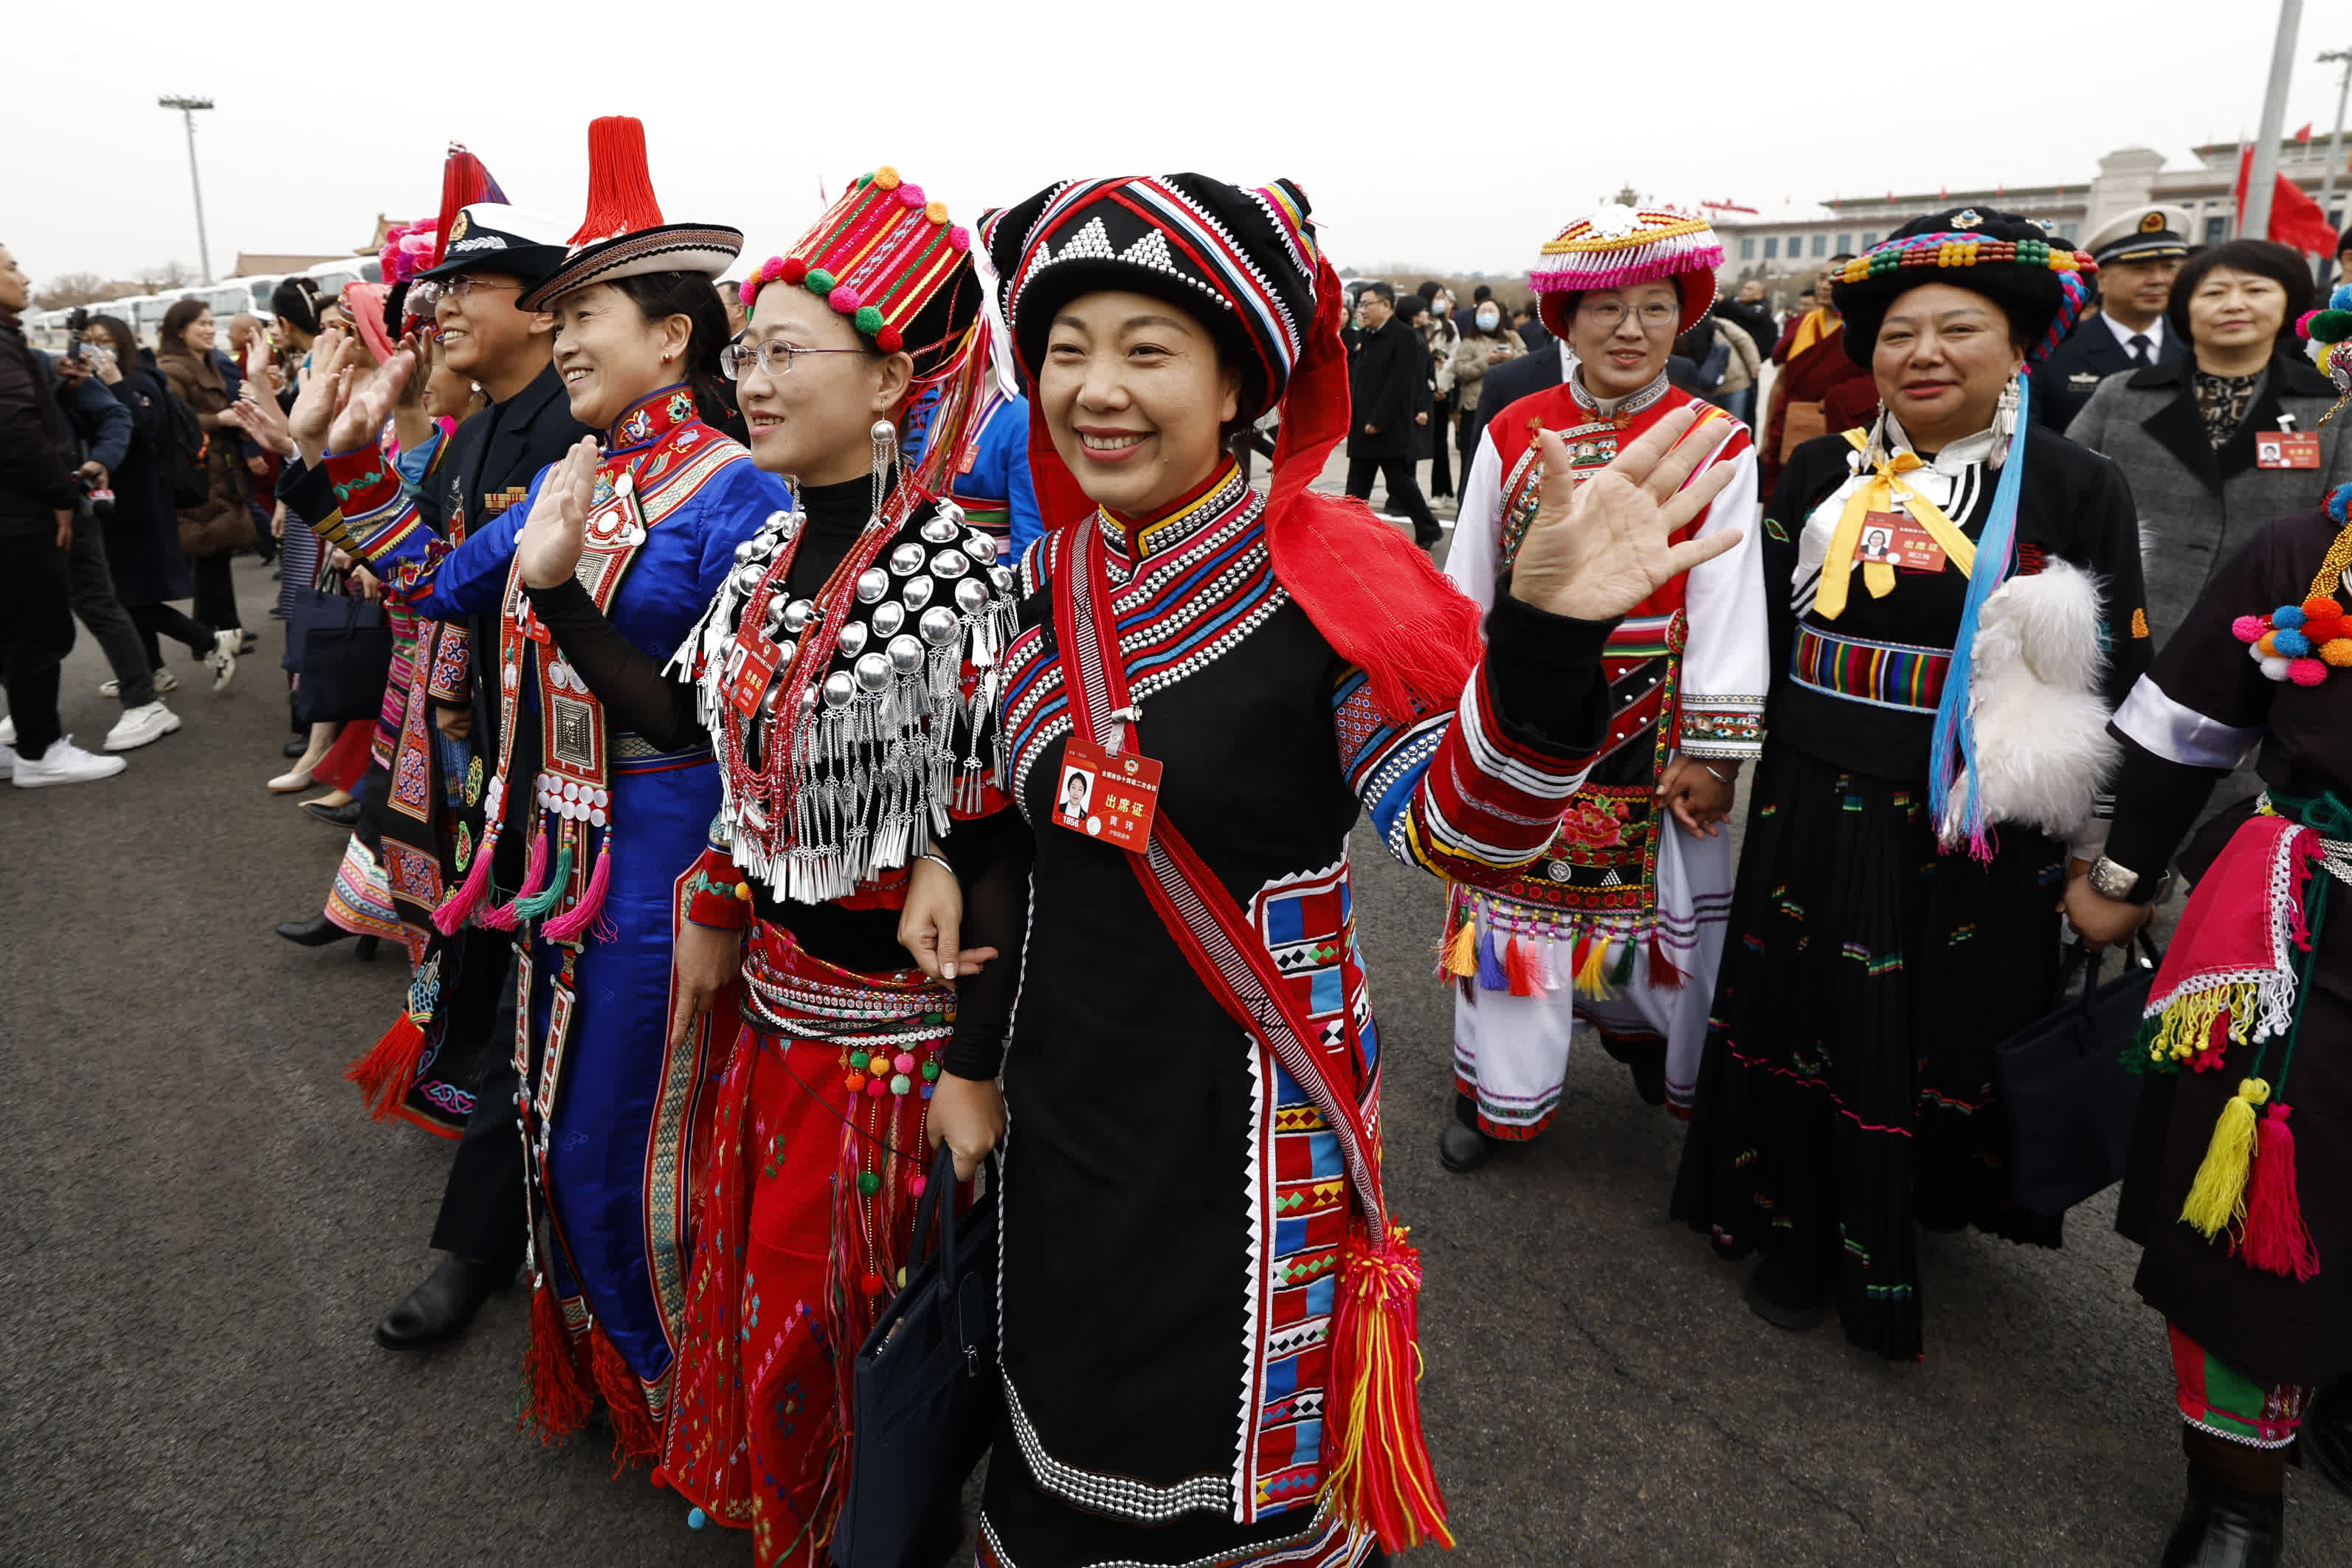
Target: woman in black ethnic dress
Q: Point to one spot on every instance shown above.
(1895, 915)
(1192, 1077)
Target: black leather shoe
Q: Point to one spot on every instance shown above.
(1462, 1149)
(321, 931)
(294, 747)
(2221, 1527)
(246, 643)
(2327, 1435)
(1786, 1295)
(346, 815)
(440, 1308)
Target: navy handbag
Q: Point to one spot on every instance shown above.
(2069, 1099)
(926, 1393)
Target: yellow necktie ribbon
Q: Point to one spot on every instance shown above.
(1884, 490)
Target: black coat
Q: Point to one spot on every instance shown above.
(142, 538)
(1388, 380)
(1535, 370)
(2065, 381)
(36, 459)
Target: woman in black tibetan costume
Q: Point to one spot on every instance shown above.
(1207, 1311)
(1956, 609)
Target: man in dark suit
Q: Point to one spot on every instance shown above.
(494, 253)
(1388, 380)
(2138, 254)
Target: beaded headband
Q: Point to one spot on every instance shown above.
(878, 256)
(1618, 247)
(1955, 249)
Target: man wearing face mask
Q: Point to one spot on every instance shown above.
(456, 1073)
(1621, 921)
(1487, 343)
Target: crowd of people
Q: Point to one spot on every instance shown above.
(790, 719)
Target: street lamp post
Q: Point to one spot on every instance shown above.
(187, 107)
(2334, 148)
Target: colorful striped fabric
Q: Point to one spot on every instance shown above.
(1881, 674)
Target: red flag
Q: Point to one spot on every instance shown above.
(2304, 135)
(2296, 221)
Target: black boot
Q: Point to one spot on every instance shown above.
(2221, 1527)
(441, 1307)
(1462, 1147)
(1790, 1292)
(321, 931)
(2327, 1435)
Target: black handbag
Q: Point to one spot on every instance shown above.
(926, 1393)
(341, 647)
(2069, 1099)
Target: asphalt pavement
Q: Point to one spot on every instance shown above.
(198, 1224)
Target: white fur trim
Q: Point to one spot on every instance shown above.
(2042, 742)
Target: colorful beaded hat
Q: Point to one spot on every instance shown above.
(2041, 284)
(1240, 261)
(623, 234)
(2327, 339)
(1618, 247)
(884, 255)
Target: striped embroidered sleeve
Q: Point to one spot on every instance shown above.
(379, 521)
(1476, 793)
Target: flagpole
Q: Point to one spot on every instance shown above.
(2335, 151)
(2263, 178)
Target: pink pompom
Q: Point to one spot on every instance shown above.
(917, 1184)
(749, 291)
(844, 299)
(2248, 628)
(2303, 323)
(912, 195)
(958, 238)
(2306, 672)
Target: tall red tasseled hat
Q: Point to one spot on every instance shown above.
(624, 234)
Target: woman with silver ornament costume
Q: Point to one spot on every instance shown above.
(1934, 749)
(1207, 1313)
(2240, 1182)
(613, 1119)
(846, 673)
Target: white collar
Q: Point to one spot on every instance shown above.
(1610, 408)
(2153, 332)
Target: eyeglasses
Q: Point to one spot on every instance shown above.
(1653, 314)
(773, 356)
(464, 283)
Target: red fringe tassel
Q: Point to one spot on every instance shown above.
(388, 1070)
(2275, 1239)
(557, 1401)
(1520, 971)
(637, 1435)
(1379, 1472)
(1664, 976)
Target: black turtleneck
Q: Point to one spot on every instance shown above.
(638, 696)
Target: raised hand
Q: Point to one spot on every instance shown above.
(548, 549)
(360, 414)
(1597, 549)
(316, 397)
(262, 419)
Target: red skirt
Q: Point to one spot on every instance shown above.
(818, 1161)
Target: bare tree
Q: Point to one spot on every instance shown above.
(69, 288)
(162, 279)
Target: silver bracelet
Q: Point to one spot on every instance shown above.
(1719, 778)
(939, 860)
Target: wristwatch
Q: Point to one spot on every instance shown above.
(2122, 884)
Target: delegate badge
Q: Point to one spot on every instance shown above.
(2286, 449)
(1894, 538)
(1111, 795)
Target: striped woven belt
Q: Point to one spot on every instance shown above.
(1883, 674)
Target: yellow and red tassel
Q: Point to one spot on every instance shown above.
(1592, 967)
(1461, 957)
(2217, 1199)
(2276, 1240)
(388, 1070)
(1379, 1473)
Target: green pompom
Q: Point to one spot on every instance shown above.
(868, 319)
(820, 281)
(2331, 325)
(868, 1183)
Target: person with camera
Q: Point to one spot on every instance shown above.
(38, 498)
(103, 427)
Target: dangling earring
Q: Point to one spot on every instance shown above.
(885, 456)
(2004, 424)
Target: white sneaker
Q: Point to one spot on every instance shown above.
(222, 659)
(165, 681)
(139, 726)
(8, 730)
(8, 756)
(65, 763)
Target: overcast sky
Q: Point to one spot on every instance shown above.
(1463, 148)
